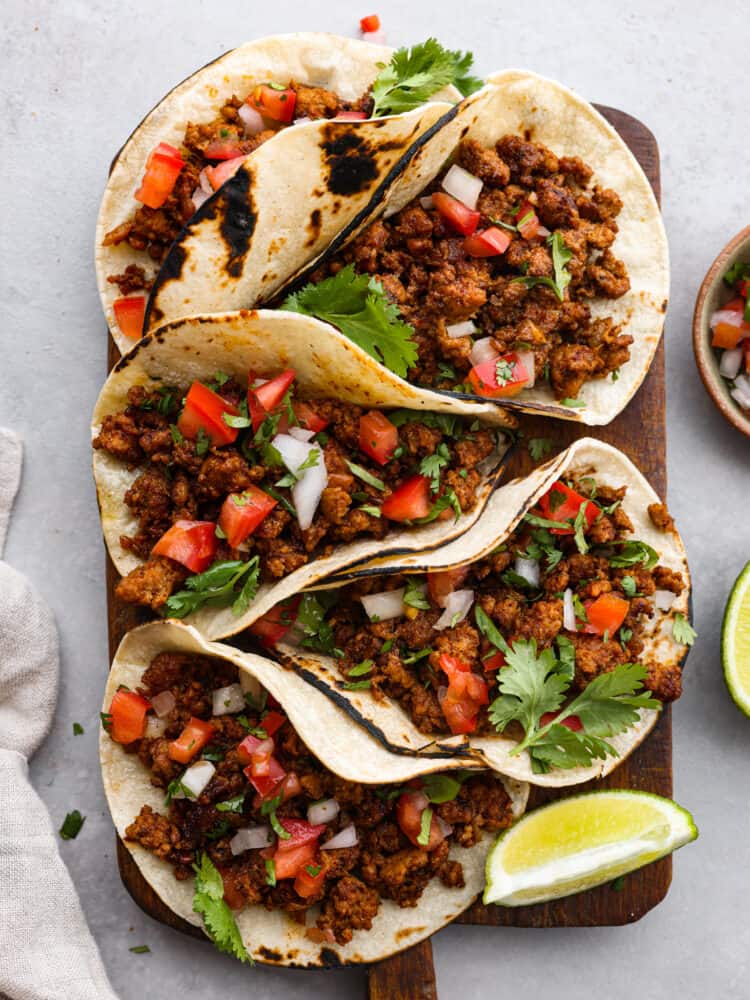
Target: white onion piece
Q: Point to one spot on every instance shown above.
(740, 397)
(228, 699)
(464, 329)
(569, 612)
(344, 838)
(462, 185)
(385, 605)
(457, 606)
(154, 727)
(426, 202)
(483, 350)
(205, 183)
(302, 121)
(265, 748)
(731, 362)
(198, 197)
(528, 569)
(251, 838)
(196, 778)
(307, 491)
(732, 317)
(664, 599)
(250, 686)
(376, 37)
(301, 433)
(419, 800)
(163, 703)
(543, 231)
(322, 812)
(252, 120)
(743, 384)
(528, 360)
(445, 828)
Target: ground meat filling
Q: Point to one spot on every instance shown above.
(406, 652)
(425, 269)
(384, 863)
(152, 231)
(183, 479)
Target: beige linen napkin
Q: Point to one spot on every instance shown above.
(46, 950)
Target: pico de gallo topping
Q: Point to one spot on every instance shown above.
(245, 798)
(240, 485)
(730, 334)
(571, 591)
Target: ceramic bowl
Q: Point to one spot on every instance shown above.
(713, 293)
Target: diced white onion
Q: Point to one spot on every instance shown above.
(376, 37)
(322, 812)
(543, 231)
(528, 569)
(307, 491)
(419, 800)
(743, 383)
(426, 202)
(154, 727)
(740, 397)
(302, 121)
(569, 612)
(483, 350)
(163, 703)
(732, 317)
(251, 838)
(344, 838)
(464, 329)
(664, 599)
(301, 433)
(198, 197)
(228, 699)
(196, 778)
(445, 828)
(457, 606)
(205, 183)
(528, 360)
(385, 605)
(252, 120)
(731, 362)
(462, 185)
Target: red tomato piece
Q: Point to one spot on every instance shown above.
(727, 335)
(241, 513)
(308, 417)
(191, 740)
(734, 305)
(204, 409)
(572, 722)
(351, 116)
(527, 221)
(129, 313)
(128, 716)
(466, 692)
(247, 748)
(494, 662)
(272, 103)
(274, 625)
(288, 863)
(509, 381)
(191, 543)
(369, 24)
(224, 149)
(378, 437)
(307, 885)
(409, 810)
(408, 501)
(266, 785)
(271, 722)
(605, 614)
(300, 832)
(555, 509)
(455, 214)
(163, 167)
(487, 243)
(227, 168)
(443, 582)
(267, 397)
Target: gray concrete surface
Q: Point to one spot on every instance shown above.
(75, 77)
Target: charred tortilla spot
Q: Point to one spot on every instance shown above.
(351, 163)
(330, 958)
(238, 220)
(171, 269)
(664, 305)
(408, 931)
(269, 954)
(313, 227)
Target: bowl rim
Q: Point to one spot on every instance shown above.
(715, 383)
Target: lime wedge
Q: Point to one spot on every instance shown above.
(582, 841)
(735, 641)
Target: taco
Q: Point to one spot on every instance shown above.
(548, 637)
(340, 119)
(533, 266)
(256, 810)
(239, 459)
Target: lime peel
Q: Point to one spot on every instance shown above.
(735, 642)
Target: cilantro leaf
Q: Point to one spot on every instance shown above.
(72, 824)
(232, 805)
(683, 631)
(77, 729)
(572, 404)
(318, 634)
(423, 838)
(414, 595)
(530, 686)
(414, 75)
(365, 476)
(431, 465)
(561, 255)
(217, 587)
(539, 448)
(357, 305)
(218, 919)
(634, 552)
(441, 788)
(579, 528)
(361, 668)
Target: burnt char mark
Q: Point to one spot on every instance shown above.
(238, 220)
(351, 162)
(313, 227)
(269, 954)
(330, 959)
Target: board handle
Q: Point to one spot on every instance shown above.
(410, 975)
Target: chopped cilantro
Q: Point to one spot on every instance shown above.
(423, 838)
(365, 476)
(77, 729)
(414, 75)
(140, 949)
(72, 825)
(682, 630)
(539, 448)
(218, 919)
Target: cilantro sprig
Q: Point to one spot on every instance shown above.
(233, 582)
(218, 919)
(414, 75)
(561, 255)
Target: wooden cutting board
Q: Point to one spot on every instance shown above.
(641, 433)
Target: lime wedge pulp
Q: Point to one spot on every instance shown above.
(580, 842)
(735, 641)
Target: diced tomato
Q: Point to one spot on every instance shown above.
(527, 221)
(734, 305)
(191, 740)
(455, 214)
(746, 353)
(301, 832)
(288, 863)
(572, 722)
(129, 313)
(351, 116)
(275, 624)
(163, 167)
(466, 692)
(605, 614)
(369, 23)
(241, 513)
(566, 509)
(445, 581)
(409, 810)
(307, 417)
(291, 786)
(494, 662)
(727, 335)
(204, 409)
(742, 287)
(191, 543)
(220, 174)
(247, 748)
(378, 437)
(265, 399)
(487, 243)
(266, 785)
(307, 885)
(128, 716)
(408, 501)
(224, 149)
(273, 103)
(511, 380)
(271, 722)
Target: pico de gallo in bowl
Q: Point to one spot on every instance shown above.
(730, 333)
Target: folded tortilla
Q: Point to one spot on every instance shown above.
(502, 514)
(273, 937)
(326, 363)
(296, 192)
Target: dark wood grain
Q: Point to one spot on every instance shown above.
(640, 432)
